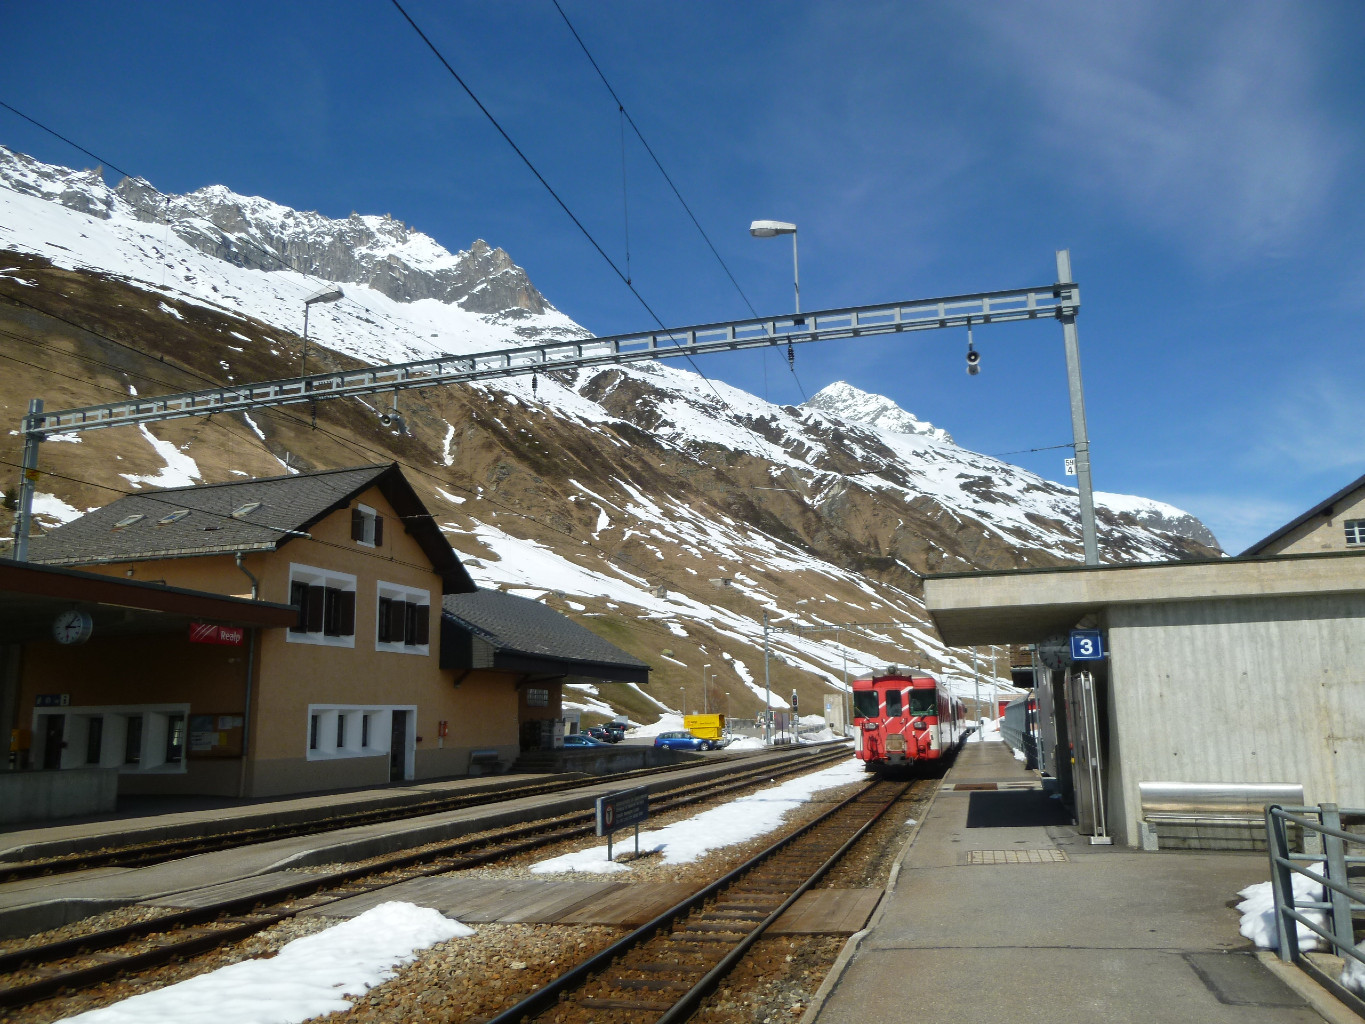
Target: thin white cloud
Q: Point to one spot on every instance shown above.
(1315, 426)
(1203, 120)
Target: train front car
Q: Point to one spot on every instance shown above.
(901, 720)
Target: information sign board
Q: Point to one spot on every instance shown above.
(1087, 645)
(622, 809)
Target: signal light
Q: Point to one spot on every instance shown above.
(973, 362)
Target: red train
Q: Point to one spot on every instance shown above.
(906, 718)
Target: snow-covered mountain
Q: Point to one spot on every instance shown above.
(665, 510)
(843, 401)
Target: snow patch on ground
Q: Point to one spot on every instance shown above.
(731, 823)
(307, 978)
(1258, 910)
(180, 470)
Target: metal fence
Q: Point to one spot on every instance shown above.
(1321, 829)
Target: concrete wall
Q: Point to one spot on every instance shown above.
(1258, 690)
(33, 796)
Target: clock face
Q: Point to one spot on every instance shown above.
(72, 627)
(1055, 652)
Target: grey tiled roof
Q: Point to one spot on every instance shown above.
(519, 626)
(289, 505)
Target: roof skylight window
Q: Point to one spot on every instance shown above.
(127, 521)
(173, 517)
(246, 510)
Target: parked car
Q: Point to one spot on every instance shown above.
(681, 741)
(598, 733)
(616, 731)
(578, 739)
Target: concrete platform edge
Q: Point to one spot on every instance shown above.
(1322, 1000)
(855, 940)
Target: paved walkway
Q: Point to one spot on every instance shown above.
(997, 916)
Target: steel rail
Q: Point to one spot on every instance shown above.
(195, 924)
(549, 995)
(158, 851)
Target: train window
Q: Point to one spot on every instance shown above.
(923, 702)
(865, 704)
(893, 703)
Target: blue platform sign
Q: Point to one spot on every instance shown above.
(1087, 645)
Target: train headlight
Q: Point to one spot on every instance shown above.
(870, 726)
(918, 723)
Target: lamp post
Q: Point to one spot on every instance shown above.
(771, 229)
(330, 294)
(705, 704)
(682, 690)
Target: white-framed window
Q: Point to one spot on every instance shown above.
(134, 738)
(367, 526)
(326, 601)
(1355, 531)
(355, 730)
(402, 619)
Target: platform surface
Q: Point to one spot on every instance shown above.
(999, 913)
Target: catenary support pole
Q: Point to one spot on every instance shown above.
(767, 687)
(1076, 391)
(28, 479)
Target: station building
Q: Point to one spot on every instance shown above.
(1227, 676)
(321, 634)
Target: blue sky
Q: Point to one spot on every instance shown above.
(1202, 161)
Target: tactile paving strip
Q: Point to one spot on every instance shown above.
(1016, 857)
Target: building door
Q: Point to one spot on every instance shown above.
(54, 726)
(398, 747)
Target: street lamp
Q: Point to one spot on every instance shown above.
(705, 704)
(771, 229)
(683, 691)
(329, 294)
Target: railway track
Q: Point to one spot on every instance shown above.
(160, 850)
(38, 972)
(664, 970)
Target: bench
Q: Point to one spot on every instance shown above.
(485, 762)
(1210, 815)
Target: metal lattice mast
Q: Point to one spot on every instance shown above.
(1060, 301)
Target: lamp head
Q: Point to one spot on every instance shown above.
(329, 294)
(771, 228)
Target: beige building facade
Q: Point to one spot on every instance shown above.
(352, 693)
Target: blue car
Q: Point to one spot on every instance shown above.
(682, 741)
(577, 739)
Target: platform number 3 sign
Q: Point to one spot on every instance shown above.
(1087, 645)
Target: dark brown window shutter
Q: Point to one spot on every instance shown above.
(298, 595)
(347, 612)
(314, 608)
(357, 524)
(378, 531)
(384, 604)
(423, 624)
(409, 623)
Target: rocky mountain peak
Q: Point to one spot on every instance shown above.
(843, 401)
(256, 233)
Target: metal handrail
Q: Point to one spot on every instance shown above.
(1342, 899)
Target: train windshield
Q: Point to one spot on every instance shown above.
(865, 704)
(893, 703)
(923, 702)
